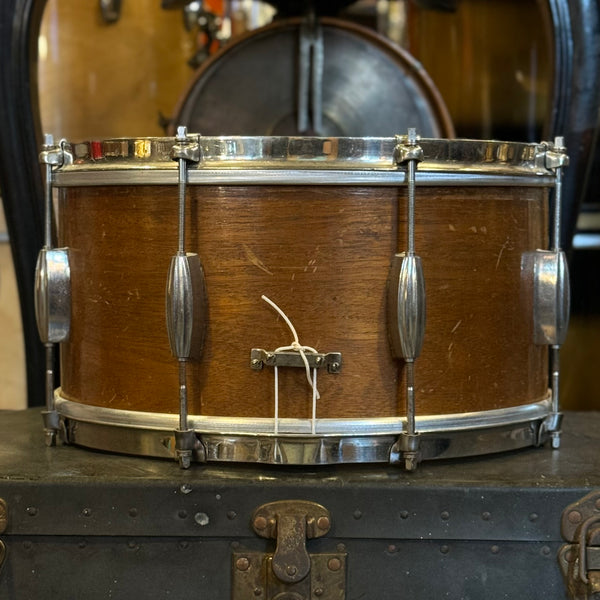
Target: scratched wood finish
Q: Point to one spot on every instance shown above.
(323, 255)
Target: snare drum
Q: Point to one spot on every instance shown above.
(296, 240)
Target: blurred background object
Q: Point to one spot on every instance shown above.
(492, 62)
(121, 74)
(100, 78)
(13, 390)
(345, 81)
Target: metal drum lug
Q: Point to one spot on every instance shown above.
(406, 303)
(549, 275)
(406, 306)
(53, 295)
(185, 305)
(185, 302)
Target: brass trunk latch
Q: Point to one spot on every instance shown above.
(580, 558)
(290, 572)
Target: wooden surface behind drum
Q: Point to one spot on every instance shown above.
(495, 69)
(101, 80)
(323, 255)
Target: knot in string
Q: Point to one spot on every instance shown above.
(295, 345)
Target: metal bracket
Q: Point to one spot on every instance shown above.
(552, 155)
(188, 447)
(186, 147)
(290, 573)
(406, 450)
(110, 10)
(550, 425)
(291, 523)
(253, 578)
(407, 149)
(259, 358)
(579, 560)
(52, 154)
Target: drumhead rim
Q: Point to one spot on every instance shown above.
(527, 427)
(295, 427)
(152, 155)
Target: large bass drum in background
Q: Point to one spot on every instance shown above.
(315, 225)
(369, 86)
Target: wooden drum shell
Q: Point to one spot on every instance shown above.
(323, 254)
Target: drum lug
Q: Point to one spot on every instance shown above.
(406, 306)
(579, 559)
(551, 295)
(186, 305)
(551, 280)
(185, 302)
(53, 317)
(53, 295)
(290, 571)
(52, 285)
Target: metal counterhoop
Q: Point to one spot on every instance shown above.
(337, 441)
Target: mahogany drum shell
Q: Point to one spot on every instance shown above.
(323, 254)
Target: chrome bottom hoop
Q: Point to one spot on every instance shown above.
(246, 440)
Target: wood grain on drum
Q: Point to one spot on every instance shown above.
(323, 255)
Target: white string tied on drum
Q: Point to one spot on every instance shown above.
(302, 350)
